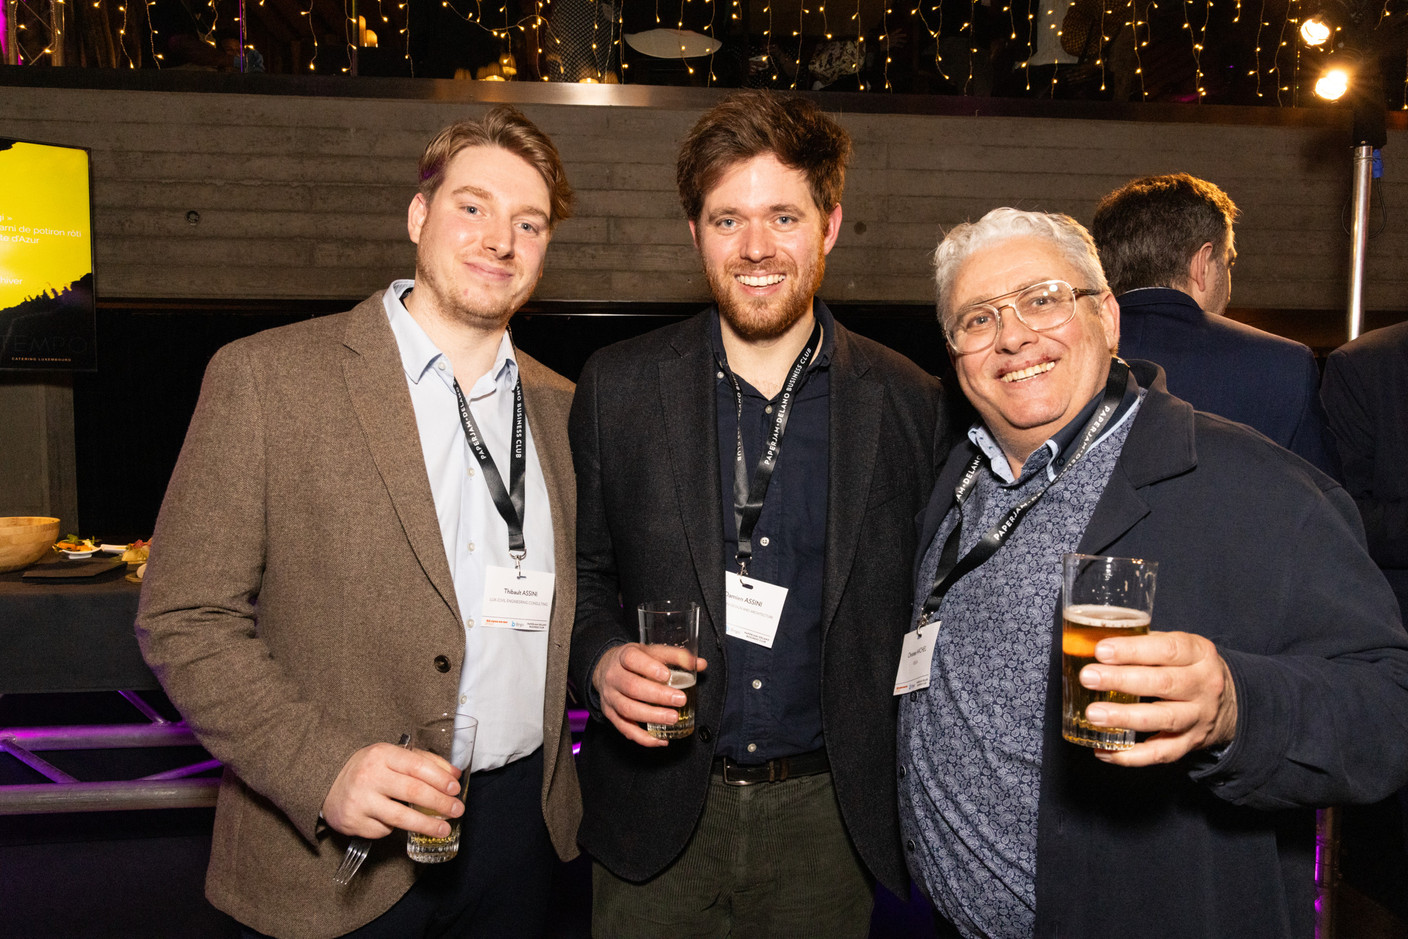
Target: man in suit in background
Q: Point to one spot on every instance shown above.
(1166, 243)
(778, 814)
(1366, 397)
(330, 566)
(1365, 393)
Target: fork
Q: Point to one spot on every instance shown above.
(357, 848)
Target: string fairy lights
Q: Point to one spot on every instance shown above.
(885, 38)
(1261, 23)
(1195, 50)
(1197, 44)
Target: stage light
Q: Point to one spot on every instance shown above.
(1333, 84)
(1315, 31)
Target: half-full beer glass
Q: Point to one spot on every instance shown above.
(450, 736)
(669, 630)
(1101, 597)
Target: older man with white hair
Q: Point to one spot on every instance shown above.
(1284, 686)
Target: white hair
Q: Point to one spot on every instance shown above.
(1068, 236)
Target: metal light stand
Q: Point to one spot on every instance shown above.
(1370, 133)
(1359, 234)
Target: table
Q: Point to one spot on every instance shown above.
(77, 637)
(70, 636)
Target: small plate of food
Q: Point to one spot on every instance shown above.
(76, 548)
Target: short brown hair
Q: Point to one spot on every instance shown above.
(751, 123)
(1150, 228)
(506, 127)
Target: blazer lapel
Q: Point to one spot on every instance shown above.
(941, 499)
(547, 398)
(686, 380)
(376, 385)
(1160, 445)
(1119, 509)
(855, 406)
(549, 429)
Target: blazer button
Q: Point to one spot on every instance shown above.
(442, 664)
(705, 734)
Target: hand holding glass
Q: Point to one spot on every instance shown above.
(1101, 597)
(450, 736)
(669, 630)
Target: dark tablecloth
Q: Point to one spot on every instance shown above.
(70, 636)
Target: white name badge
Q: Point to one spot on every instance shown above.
(916, 659)
(517, 599)
(754, 608)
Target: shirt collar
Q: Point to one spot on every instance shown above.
(1061, 445)
(420, 355)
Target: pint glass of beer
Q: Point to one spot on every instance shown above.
(1100, 597)
(450, 736)
(669, 630)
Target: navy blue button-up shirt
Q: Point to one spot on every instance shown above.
(772, 703)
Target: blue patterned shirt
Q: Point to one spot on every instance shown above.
(970, 744)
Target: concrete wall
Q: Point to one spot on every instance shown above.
(37, 469)
(233, 195)
(305, 196)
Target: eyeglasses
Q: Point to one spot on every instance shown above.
(1040, 307)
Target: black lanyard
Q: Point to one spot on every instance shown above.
(950, 568)
(510, 506)
(748, 500)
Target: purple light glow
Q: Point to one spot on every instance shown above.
(1320, 847)
(577, 720)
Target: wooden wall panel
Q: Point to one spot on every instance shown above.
(305, 196)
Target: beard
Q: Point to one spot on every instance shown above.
(758, 319)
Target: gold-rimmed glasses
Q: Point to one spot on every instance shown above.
(1047, 305)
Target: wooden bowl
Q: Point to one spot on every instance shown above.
(25, 539)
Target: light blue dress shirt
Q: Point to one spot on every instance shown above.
(505, 670)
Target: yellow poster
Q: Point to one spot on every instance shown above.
(46, 257)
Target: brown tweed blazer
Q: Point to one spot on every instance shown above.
(298, 605)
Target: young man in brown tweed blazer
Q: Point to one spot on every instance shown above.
(320, 563)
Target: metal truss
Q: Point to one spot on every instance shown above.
(34, 31)
(178, 788)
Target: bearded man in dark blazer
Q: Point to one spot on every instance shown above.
(324, 569)
(759, 446)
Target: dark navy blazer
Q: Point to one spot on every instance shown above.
(650, 524)
(1265, 556)
(1228, 368)
(1366, 399)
